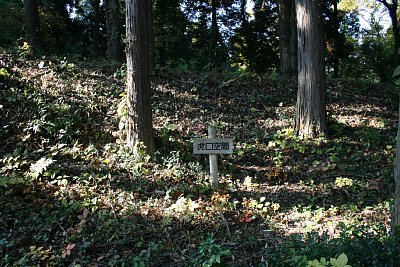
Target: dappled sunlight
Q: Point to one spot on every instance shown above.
(305, 219)
(364, 115)
(73, 192)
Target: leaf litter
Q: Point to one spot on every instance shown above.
(90, 202)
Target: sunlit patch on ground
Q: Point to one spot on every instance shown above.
(72, 193)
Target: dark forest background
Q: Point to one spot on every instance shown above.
(197, 35)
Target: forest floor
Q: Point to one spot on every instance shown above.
(72, 194)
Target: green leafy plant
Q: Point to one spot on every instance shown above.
(4, 72)
(260, 207)
(340, 261)
(343, 182)
(40, 166)
(396, 76)
(13, 169)
(25, 50)
(360, 245)
(245, 150)
(166, 131)
(211, 253)
(368, 136)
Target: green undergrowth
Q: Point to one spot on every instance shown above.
(71, 192)
(362, 246)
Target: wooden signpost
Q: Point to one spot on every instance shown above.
(213, 146)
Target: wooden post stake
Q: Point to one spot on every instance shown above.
(213, 146)
(212, 133)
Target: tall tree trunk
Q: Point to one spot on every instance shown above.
(161, 7)
(151, 36)
(214, 34)
(336, 41)
(96, 29)
(395, 221)
(392, 8)
(243, 16)
(65, 25)
(395, 27)
(31, 10)
(140, 128)
(287, 37)
(310, 110)
(113, 24)
(293, 38)
(284, 35)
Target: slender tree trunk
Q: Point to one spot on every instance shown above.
(395, 27)
(31, 10)
(284, 35)
(113, 24)
(161, 9)
(214, 34)
(336, 41)
(140, 128)
(293, 38)
(243, 19)
(310, 110)
(392, 8)
(151, 36)
(96, 29)
(287, 37)
(395, 222)
(58, 31)
(243, 16)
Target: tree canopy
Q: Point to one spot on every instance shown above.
(246, 35)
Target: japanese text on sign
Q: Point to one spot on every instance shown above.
(213, 146)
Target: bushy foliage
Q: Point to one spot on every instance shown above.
(377, 51)
(11, 16)
(342, 32)
(255, 43)
(363, 246)
(171, 43)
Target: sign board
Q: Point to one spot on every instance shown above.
(213, 146)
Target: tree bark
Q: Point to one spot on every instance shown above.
(395, 27)
(113, 24)
(284, 35)
(243, 15)
(310, 110)
(31, 10)
(152, 39)
(214, 34)
(161, 7)
(140, 128)
(395, 221)
(336, 41)
(287, 37)
(293, 38)
(96, 29)
(392, 8)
